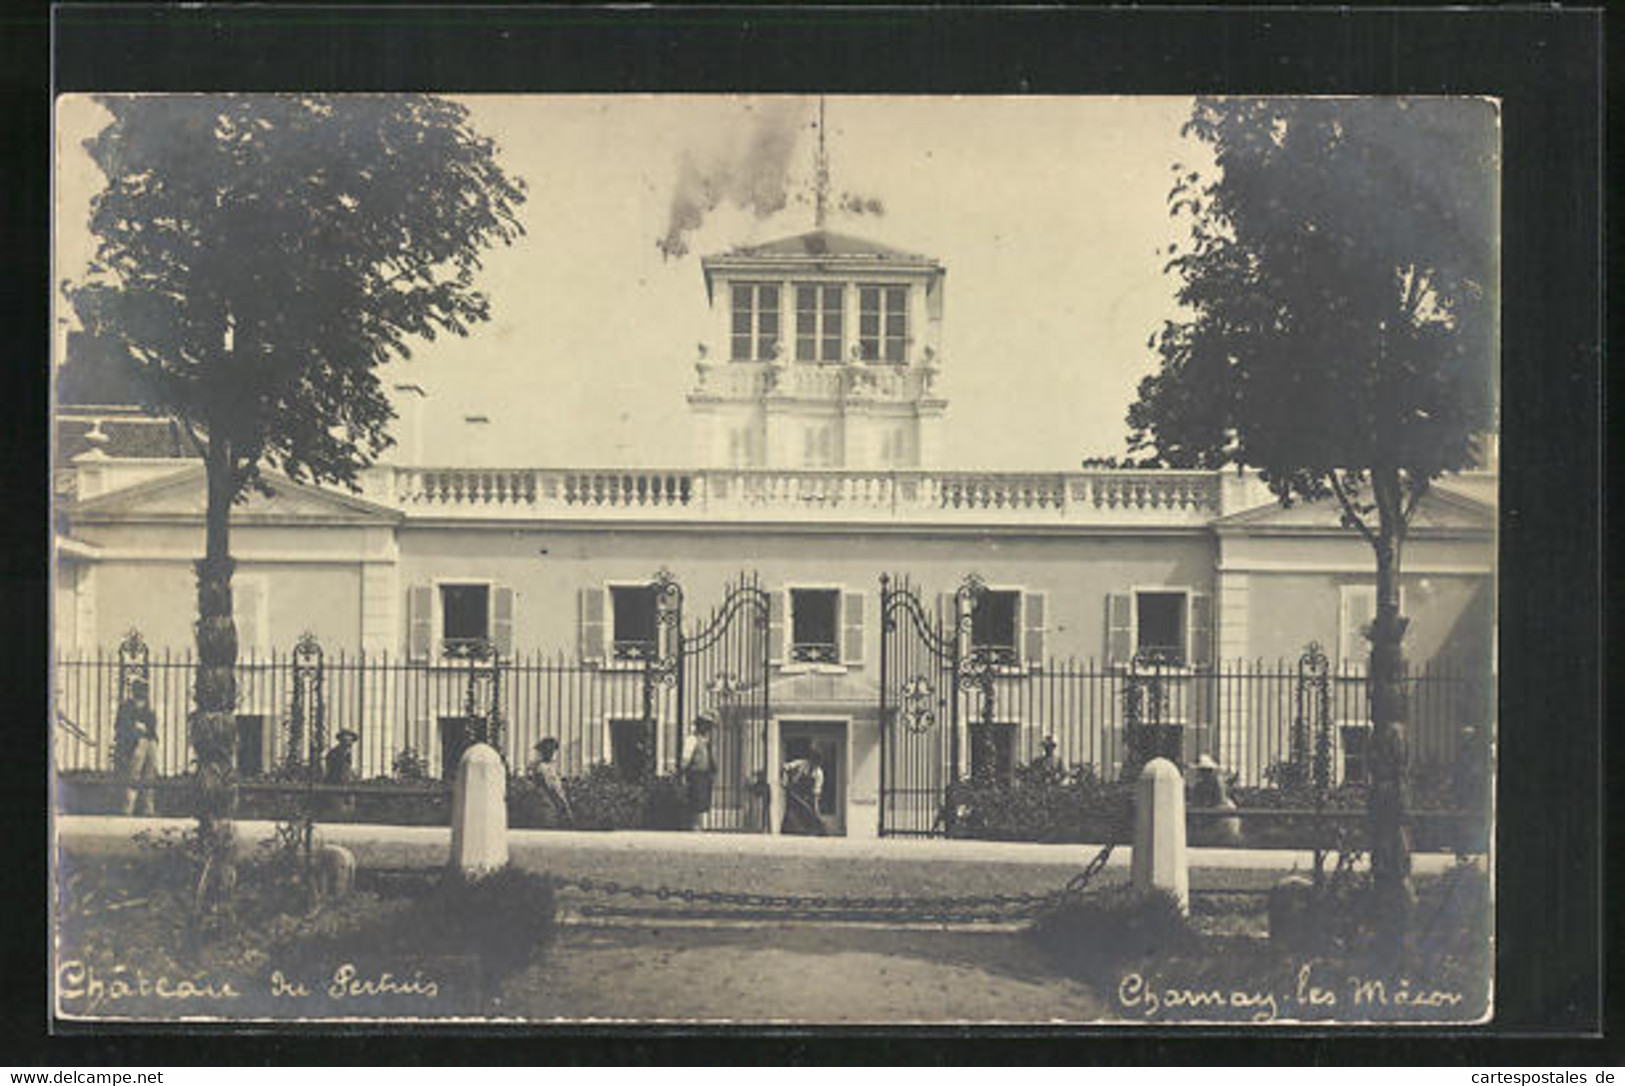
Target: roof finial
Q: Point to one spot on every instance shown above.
(821, 173)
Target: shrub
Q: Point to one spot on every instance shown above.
(602, 800)
(505, 919)
(1099, 931)
(666, 804)
(409, 765)
(1041, 803)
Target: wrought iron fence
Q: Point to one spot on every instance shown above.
(414, 717)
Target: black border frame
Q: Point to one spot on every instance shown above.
(1545, 65)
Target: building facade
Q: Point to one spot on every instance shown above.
(816, 422)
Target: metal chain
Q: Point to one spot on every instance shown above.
(969, 907)
(962, 906)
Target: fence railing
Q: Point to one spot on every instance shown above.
(1247, 715)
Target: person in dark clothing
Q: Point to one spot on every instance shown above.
(135, 748)
(700, 772)
(339, 768)
(803, 780)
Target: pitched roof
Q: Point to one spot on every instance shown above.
(127, 438)
(1442, 509)
(827, 243)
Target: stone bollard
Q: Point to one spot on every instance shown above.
(1159, 860)
(335, 871)
(479, 813)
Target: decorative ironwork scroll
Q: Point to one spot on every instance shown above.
(133, 662)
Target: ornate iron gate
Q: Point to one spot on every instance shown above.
(721, 667)
(929, 670)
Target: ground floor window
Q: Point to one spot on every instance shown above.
(992, 751)
(456, 735)
(465, 616)
(1160, 625)
(632, 748)
(634, 633)
(995, 627)
(251, 745)
(815, 625)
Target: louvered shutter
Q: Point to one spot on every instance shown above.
(419, 622)
(502, 621)
(1034, 616)
(1119, 629)
(777, 608)
(1358, 608)
(1201, 631)
(591, 611)
(247, 607)
(852, 628)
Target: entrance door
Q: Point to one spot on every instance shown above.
(800, 739)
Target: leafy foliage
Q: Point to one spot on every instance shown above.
(1338, 283)
(1339, 337)
(258, 257)
(1041, 803)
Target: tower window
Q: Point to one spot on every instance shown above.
(883, 323)
(818, 323)
(755, 321)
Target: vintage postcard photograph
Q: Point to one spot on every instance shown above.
(774, 560)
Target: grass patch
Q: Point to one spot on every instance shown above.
(435, 946)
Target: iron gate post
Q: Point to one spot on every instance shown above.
(886, 624)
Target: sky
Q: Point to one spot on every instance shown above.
(1049, 214)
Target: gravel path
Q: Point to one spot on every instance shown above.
(796, 974)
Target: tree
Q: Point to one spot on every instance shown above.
(94, 372)
(1337, 334)
(257, 259)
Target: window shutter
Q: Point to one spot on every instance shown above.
(1357, 605)
(592, 625)
(777, 608)
(1201, 629)
(247, 605)
(502, 621)
(1119, 629)
(852, 627)
(948, 612)
(1034, 615)
(419, 622)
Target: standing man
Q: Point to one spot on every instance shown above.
(135, 747)
(701, 771)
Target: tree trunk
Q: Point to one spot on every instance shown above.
(214, 722)
(1388, 799)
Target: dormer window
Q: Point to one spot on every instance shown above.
(818, 322)
(755, 321)
(883, 323)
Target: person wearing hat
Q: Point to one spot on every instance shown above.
(135, 747)
(700, 772)
(544, 773)
(340, 769)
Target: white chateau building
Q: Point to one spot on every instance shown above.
(818, 429)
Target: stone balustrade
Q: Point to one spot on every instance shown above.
(801, 380)
(1175, 498)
